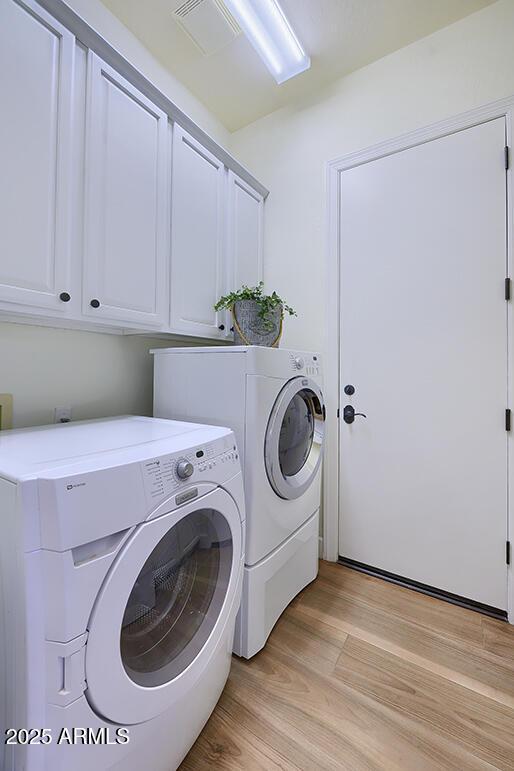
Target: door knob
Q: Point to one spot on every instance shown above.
(349, 414)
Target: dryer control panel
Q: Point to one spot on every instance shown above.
(211, 462)
(308, 364)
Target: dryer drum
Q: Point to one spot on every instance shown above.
(294, 438)
(296, 433)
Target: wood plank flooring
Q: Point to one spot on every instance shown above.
(362, 674)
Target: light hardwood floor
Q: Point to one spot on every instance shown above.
(362, 674)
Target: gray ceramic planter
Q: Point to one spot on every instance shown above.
(249, 327)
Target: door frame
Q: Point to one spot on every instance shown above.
(503, 108)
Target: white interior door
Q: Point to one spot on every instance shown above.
(36, 65)
(126, 229)
(424, 343)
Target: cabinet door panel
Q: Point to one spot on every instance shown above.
(245, 226)
(36, 62)
(197, 253)
(126, 201)
(245, 234)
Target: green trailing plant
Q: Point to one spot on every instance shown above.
(267, 302)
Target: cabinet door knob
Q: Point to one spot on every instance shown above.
(65, 297)
(95, 303)
(222, 327)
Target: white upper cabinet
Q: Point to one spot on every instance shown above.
(245, 233)
(126, 202)
(36, 71)
(111, 214)
(198, 263)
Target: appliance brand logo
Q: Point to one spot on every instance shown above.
(77, 484)
(187, 496)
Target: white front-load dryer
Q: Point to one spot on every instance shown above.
(122, 563)
(273, 401)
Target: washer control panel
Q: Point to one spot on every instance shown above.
(308, 364)
(184, 469)
(226, 458)
(213, 462)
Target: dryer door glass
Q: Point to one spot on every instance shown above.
(296, 433)
(177, 598)
(294, 439)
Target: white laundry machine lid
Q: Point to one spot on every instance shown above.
(96, 443)
(163, 608)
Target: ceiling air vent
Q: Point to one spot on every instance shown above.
(208, 23)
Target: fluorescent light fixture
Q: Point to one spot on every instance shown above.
(268, 30)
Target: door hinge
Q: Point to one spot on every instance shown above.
(338, 412)
(507, 552)
(507, 420)
(508, 284)
(506, 157)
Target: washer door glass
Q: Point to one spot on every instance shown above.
(177, 598)
(294, 439)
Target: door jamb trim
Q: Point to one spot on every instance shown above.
(503, 108)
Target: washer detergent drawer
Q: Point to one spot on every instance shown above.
(72, 579)
(77, 509)
(269, 587)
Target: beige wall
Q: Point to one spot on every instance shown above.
(462, 66)
(95, 374)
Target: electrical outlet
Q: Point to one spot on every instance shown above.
(62, 414)
(5, 411)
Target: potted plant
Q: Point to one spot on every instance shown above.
(257, 316)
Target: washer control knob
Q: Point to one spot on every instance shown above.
(184, 469)
(298, 363)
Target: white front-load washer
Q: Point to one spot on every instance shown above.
(121, 564)
(272, 399)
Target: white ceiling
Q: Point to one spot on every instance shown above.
(339, 35)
